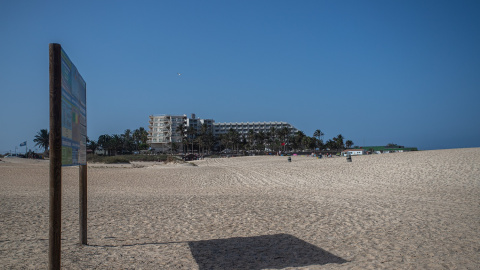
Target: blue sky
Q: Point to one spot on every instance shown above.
(377, 72)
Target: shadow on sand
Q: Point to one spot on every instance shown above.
(259, 252)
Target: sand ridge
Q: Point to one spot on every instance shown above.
(416, 210)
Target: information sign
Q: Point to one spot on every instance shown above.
(74, 114)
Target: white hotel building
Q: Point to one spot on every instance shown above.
(163, 128)
(257, 127)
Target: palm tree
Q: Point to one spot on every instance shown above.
(283, 133)
(116, 143)
(111, 144)
(330, 144)
(92, 145)
(174, 147)
(348, 143)
(209, 141)
(251, 139)
(127, 141)
(231, 138)
(199, 141)
(299, 139)
(202, 137)
(42, 139)
(181, 129)
(243, 142)
(223, 141)
(272, 134)
(318, 134)
(291, 142)
(339, 141)
(260, 138)
(191, 132)
(103, 141)
(307, 142)
(143, 137)
(140, 137)
(235, 139)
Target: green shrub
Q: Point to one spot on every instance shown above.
(116, 159)
(126, 158)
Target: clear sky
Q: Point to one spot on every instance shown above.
(377, 72)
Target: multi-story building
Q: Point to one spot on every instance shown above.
(257, 127)
(163, 129)
(197, 123)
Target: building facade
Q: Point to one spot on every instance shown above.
(164, 129)
(197, 123)
(257, 127)
(354, 152)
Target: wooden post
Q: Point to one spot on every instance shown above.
(83, 204)
(55, 141)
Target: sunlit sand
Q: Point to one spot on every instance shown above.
(417, 210)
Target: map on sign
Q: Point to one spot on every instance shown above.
(74, 115)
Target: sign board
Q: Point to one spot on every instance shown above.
(74, 114)
(68, 134)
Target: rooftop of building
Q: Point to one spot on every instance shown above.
(168, 115)
(251, 123)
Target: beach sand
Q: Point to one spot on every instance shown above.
(415, 210)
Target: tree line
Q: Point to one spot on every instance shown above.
(273, 140)
(203, 141)
(125, 143)
(276, 140)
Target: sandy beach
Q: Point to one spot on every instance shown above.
(415, 210)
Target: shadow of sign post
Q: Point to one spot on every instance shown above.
(259, 252)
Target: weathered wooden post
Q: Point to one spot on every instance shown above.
(55, 141)
(83, 204)
(67, 143)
